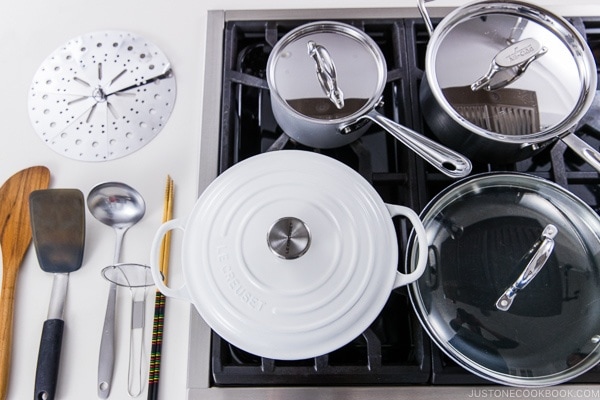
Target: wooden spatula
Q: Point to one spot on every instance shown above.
(15, 237)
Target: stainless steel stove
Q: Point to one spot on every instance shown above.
(393, 358)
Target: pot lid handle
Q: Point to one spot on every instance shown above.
(542, 248)
(326, 73)
(513, 59)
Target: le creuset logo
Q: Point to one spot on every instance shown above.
(545, 393)
(233, 283)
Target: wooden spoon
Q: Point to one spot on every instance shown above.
(15, 237)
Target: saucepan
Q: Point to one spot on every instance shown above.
(326, 80)
(290, 254)
(511, 291)
(505, 79)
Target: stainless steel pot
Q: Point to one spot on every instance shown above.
(512, 286)
(326, 79)
(505, 79)
(290, 254)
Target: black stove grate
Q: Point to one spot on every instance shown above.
(395, 349)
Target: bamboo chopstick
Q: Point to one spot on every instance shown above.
(159, 301)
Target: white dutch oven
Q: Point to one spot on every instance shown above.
(289, 254)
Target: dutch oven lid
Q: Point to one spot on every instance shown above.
(290, 254)
(485, 298)
(511, 68)
(327, 71)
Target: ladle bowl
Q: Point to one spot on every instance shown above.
(117, 205)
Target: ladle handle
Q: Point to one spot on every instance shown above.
(447, 161)
(119, 235)
(181, 292)
(106, 359)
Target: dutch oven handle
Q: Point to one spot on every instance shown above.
(419, 229)
(180, 292)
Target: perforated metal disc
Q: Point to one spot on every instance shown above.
(102, 95)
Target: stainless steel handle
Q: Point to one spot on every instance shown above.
(583, 150)
(106, 359)
(135, 378)
(543, 248)
(517, 58)
(447, 161)
(326, 73)
(425, 15)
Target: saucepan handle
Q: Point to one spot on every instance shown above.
(180, 292)
(425, 15)
(447, 161)
(405, 279)
(583, 150)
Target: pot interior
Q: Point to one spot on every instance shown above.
(541, 70)
(482, 233)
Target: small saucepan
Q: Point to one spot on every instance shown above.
(511, 291)
(505, 79)
(290, 254)
(326, 79)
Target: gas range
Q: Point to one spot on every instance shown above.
(393, 358)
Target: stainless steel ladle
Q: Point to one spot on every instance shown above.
(119, 206)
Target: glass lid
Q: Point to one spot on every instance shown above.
(511, 69)
(327, 70)
(513, 281)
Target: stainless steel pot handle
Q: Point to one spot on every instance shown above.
(514, 59)
(326, 73)
(425, 15)
(448, 161)
(583, 150)
(543, 248)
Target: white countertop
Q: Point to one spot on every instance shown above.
(29, 31)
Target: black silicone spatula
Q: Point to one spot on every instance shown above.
(58, 229)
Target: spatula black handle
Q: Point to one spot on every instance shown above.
(48, 359)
